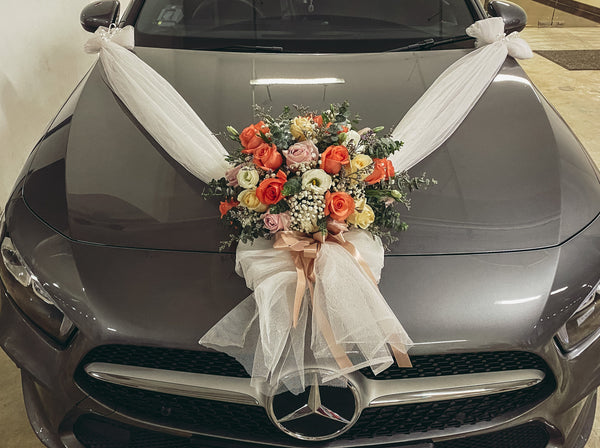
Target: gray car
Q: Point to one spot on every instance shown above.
(111, 272)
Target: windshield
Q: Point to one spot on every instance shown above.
(315, 26)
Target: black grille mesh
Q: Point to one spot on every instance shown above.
(219, 418)
(212, 363)
(461, 363)
(423, 417)
(97, 432)
(215, 363)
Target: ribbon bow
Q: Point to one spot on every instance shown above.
(124, 37)
(491, 31)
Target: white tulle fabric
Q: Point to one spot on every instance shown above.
(448, 101)
(259, 331)
(157, 106)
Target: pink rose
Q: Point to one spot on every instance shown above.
(304, 151)
(275, 223)
(231, 176)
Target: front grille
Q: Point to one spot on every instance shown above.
(533, 435)
(215, 363)
(98, 432)
(460, 364)
(218, 418)
(441, 415)
(212, 363)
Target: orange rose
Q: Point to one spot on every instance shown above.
(333, 158)
(250, 137)
(382, 169)
(225, 206)
(344, 128)
(270, 190)
(389, 169)
(338, 205)
(317, 119)
(267, 157)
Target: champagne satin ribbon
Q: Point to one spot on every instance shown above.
(304, 251)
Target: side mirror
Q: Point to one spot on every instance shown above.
(99, 13)
(515, 17)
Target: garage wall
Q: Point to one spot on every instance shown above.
(41, 61)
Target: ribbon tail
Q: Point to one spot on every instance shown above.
(401, 357)
(300, 289)
(363, 264)
(339, 354)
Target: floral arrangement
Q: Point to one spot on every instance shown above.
(310, 173)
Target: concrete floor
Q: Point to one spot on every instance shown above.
(576, 95)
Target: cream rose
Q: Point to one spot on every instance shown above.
(359, 204)
(301, 128)
(359, 162)
(364, 218)
(248, 199)
(317, 181)
(247, 177)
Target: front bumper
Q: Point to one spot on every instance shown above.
(55, 403)
(57, 407)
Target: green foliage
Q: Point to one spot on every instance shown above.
(245, 225)
(218, 188)
(280, 207)
(292, 186)
(322, 223)
(380, 148)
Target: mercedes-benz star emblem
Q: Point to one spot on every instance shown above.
(321, 412)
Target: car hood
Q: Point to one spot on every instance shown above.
(512, 177)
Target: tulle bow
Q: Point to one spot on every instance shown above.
(448, 101)
(125, 37)
(349, 323)
(490, 31)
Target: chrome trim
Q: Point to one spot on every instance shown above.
(440, 388)
(196, 385)
(374, 393)
(314, 406)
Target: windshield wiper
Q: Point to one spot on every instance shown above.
(430, 43)
(258, 48)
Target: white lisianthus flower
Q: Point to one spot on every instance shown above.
(352, 137)
(317, 181)
(248, 199)
(247, 177)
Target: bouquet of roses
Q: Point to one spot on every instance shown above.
(310, 173)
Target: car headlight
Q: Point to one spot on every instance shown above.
(30, 295)
(583, 327)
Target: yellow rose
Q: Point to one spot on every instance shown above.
(359, 162)
(360, 204)
(248, 199)
(301, 128)
(364, 218)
